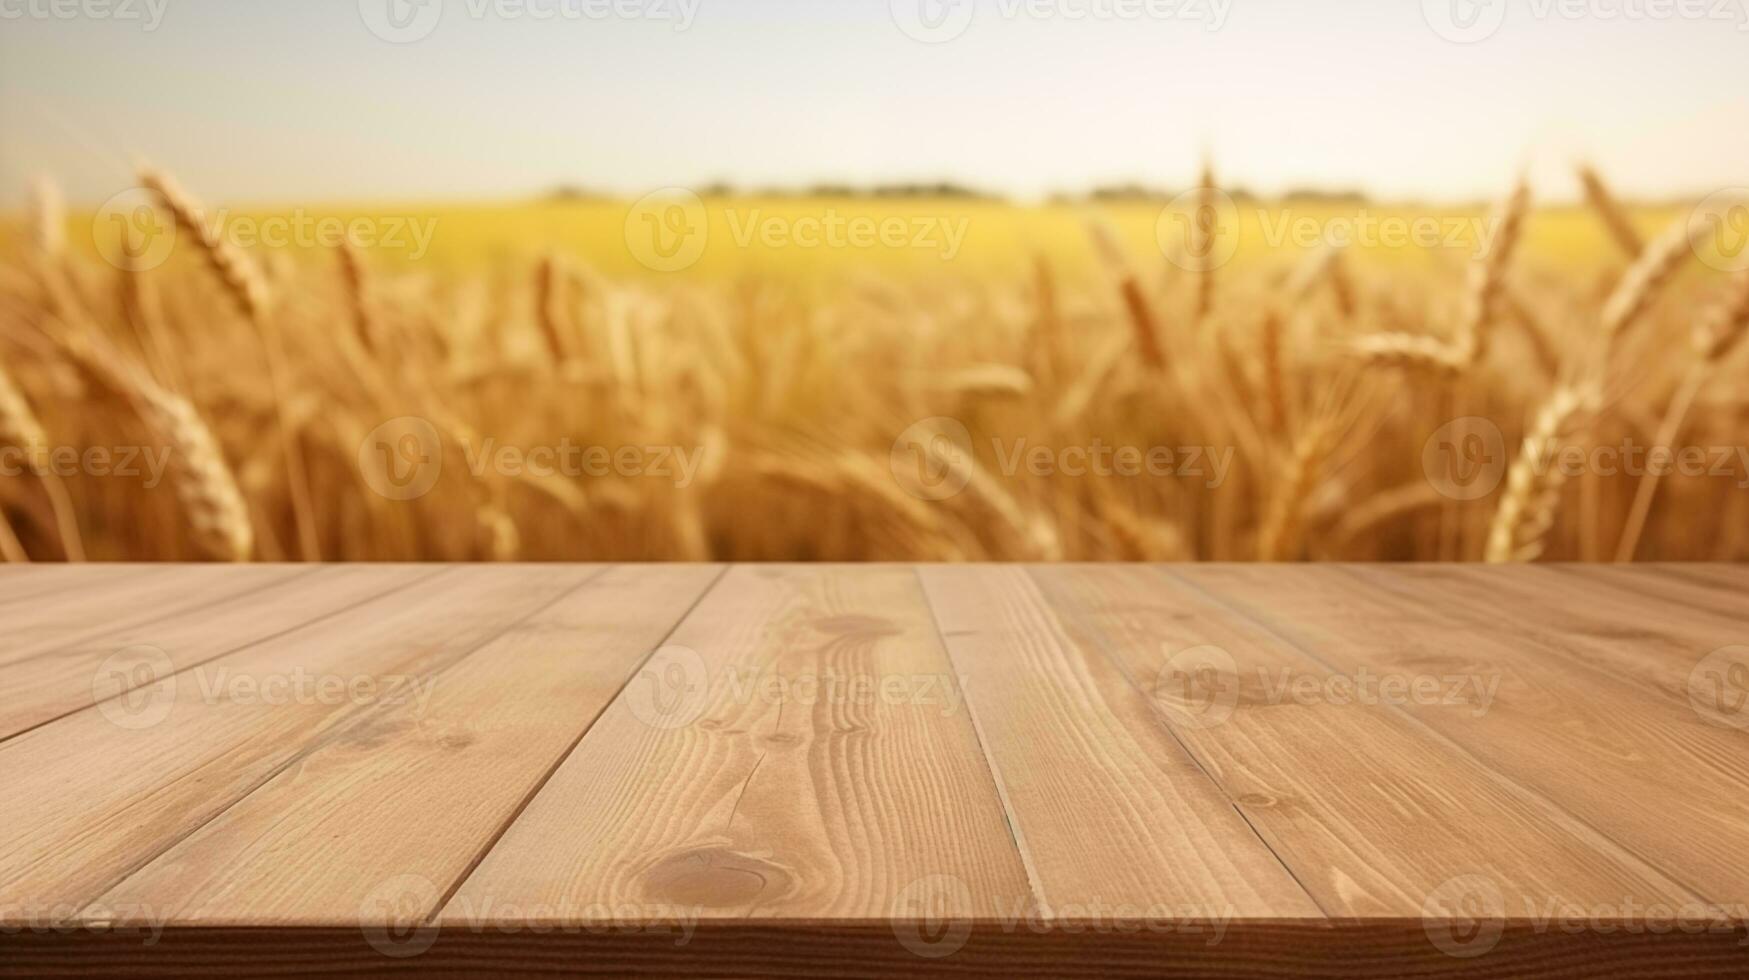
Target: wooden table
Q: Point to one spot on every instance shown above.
(854, 771)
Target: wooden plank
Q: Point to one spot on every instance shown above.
(34, 582)
(374, 802)
(1375, 815)
(1598, 746)
(46, 685)
(96, 795)
(1590, 626)
(1089, 772)
(725, 783)
(1715, 597)
(149, 595)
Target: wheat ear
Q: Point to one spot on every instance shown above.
(356, 278)
(245, 283)
(1614, 218)
(1715, 338)
(1203, 241)
(217, 516)
(1411, 351)
(1129, 286)
(241, 277)
(1646, 278)
(48, 218)
(1534, 482)
(1487, 287)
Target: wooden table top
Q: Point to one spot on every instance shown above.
(866, 770)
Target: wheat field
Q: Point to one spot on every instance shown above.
(1096, 401)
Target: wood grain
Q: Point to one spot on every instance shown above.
(96, 795)
(1089, 771)
(57, 681)
(152, 595)
(854, 771)
(1374, 814)
(1592, 722)
(728, 780)
(376, 802)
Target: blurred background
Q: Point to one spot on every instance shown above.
(885, 279)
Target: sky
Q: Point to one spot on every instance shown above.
(276, 101)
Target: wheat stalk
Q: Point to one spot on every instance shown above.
(1203, 240)
(1141, 313)
(1646, 278)
(356, 278)
(1412, 351)
(1715, 337)
(1487, 287)
(241, 277)
(218, 518)
(1534, 482)
(1615, 219)
(49, 219)
(550, 307)
(248, 287)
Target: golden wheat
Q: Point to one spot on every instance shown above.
(788, 401)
